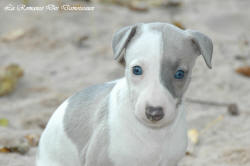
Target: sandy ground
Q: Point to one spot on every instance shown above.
(57, 65)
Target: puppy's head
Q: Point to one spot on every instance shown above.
(158, 59)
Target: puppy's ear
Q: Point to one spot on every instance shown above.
(121, 40)
(203, 44)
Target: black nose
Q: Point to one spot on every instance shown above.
(154, 113)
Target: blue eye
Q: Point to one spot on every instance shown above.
(179, 74)
(137, 70)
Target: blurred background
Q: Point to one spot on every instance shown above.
(50, 49)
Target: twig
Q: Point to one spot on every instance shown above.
(213, 103)
(232, 108)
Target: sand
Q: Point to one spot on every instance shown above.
(64, 52)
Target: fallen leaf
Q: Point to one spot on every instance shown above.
(7, 85)
(174, 3)
(21, 149)
(4, 150)
(245, 70)
(138, 6)
(9, 77)
(193, 136)
(14, 70)
(4, 122)
(32, 139)
(13, 35)
(178, 24)
(25, 2)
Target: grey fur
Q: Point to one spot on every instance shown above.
(85, 121)
(175, 42)
(85, 118)
(204, 45)
(121, 40)
(176, 55)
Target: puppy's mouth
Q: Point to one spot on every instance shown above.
(154, 124)
(158, 122)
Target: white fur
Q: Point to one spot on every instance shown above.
(134, 140)
(132, 143)
(147, 88)
(54, 142)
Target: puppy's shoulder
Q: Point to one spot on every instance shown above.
(91, 93)
(83, 110)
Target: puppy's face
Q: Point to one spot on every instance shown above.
(158, 71)
(159, 62)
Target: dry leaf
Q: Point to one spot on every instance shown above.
(245, 70)
(21, 148)
(4, 122)
(178, 24)
(193, 136)
(4, 150)
(25, 2)
(174, 3)
(14, 70)
(9, 77)
(13, 35)
(138, 6)
(32, 139)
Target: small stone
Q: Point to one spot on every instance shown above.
(81, 41)
(240, 57)
(233, 109)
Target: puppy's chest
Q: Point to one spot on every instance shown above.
(147, 151)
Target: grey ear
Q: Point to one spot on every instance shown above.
(204, 45)
(121, 40)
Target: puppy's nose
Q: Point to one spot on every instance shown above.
(154, 113)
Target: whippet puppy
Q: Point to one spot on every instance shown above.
(137, 120)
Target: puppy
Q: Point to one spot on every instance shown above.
(137, 120)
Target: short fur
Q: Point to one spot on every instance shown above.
(106, 125)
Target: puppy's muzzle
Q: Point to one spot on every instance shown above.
(154, 113)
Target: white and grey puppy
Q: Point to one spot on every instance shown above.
(137, 120)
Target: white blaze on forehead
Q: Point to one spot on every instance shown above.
(146, 50)
(147, 45)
